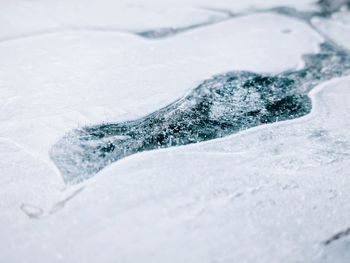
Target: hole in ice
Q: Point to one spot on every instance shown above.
(218, 107)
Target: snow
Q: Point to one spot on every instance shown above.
(67, 79)
(273, 193)
(25, 17)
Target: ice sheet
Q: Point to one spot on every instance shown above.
(21, 19)
(275, 193)
(75, 79)
(259, 195)
(337, 28)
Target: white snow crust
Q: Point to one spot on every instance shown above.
(274, 193)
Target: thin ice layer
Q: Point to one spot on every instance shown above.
(218, 107)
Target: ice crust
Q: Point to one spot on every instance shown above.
(23, 18)
(274, 193)
(218, 107)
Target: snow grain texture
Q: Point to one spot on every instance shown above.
(274, 193)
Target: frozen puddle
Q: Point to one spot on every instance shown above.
(255, 93)
(218, 107)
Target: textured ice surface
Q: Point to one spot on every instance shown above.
(337, 28)
(21, 19)
(270, 194)
(273, 193)
(218, 107)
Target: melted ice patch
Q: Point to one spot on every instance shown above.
(220, 106)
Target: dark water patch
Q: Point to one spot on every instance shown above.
(222, 105)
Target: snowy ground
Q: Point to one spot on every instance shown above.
(275, 193)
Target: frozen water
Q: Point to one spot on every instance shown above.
(273, 193)
(218, 107)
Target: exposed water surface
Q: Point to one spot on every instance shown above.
(219, 106)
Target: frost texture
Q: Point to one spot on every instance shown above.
(220, 106)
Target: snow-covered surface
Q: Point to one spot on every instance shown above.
(26, 17)
(274, 193)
